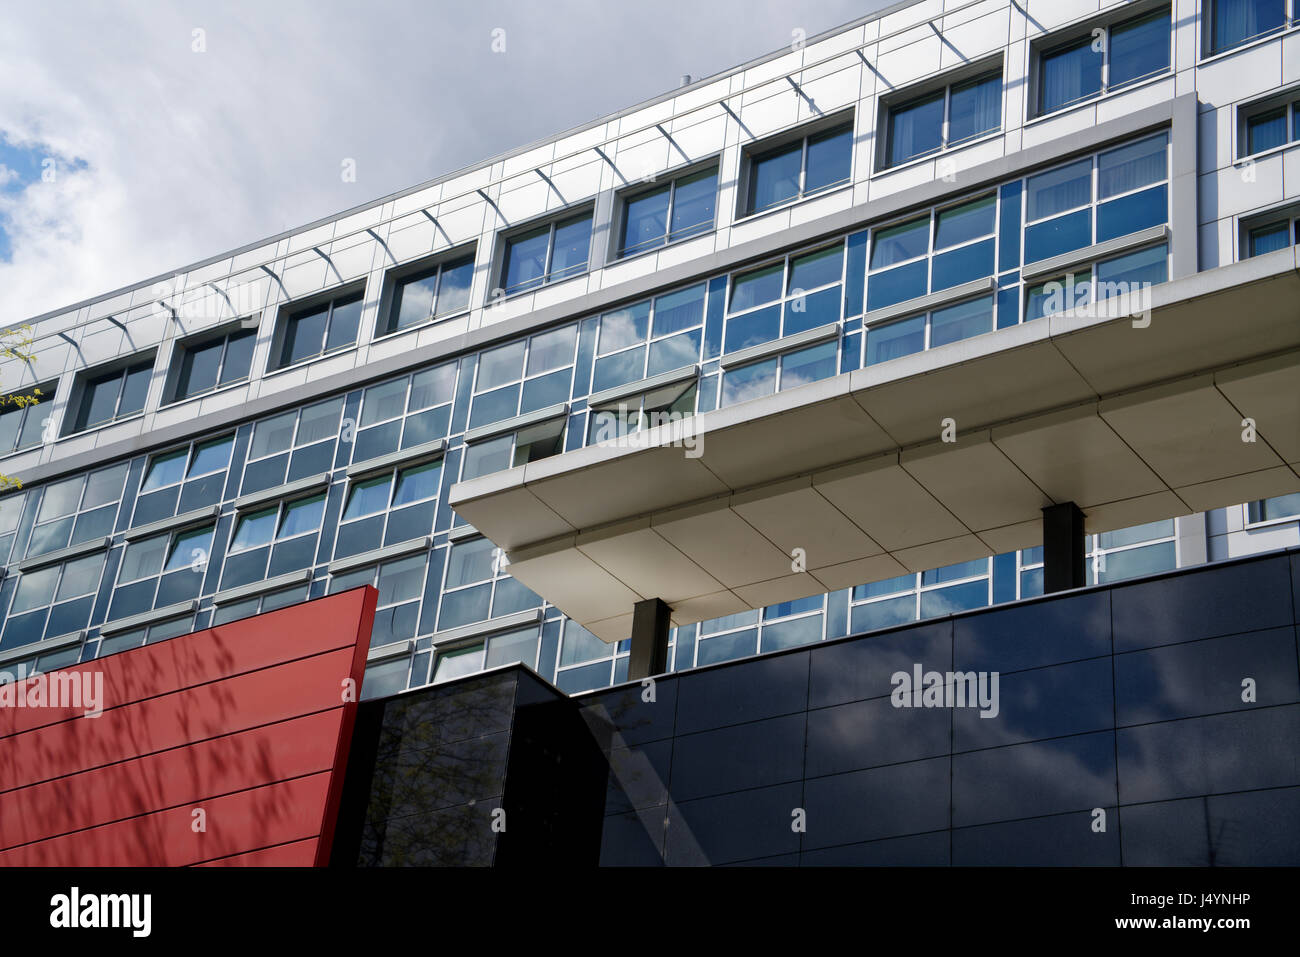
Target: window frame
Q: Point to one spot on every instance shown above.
(48, 606)
(171, 390)
(1250, 511)
(435, 265)
(552, 222)
(1290, 14)
(619, 251)
(78, 510)
(46, 392)
(753, 153)
(975, 73)
(295, 309)
(392, 475)
(121, 369)
(1287, 100)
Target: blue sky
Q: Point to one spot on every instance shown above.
(167, 153)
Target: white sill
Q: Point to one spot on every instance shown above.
(531, 290)
(1248, 45)
(199, 396)
(428, 323)
(790, 203)
(102, 425)
(946, 151)
(1094, 100)
(1264, 154)
(711, 231)
(307, 362)
(1249, 526)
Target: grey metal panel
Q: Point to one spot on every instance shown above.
(491, 626)
(516, 423)
(379, 554)
(642, 385)
(310, 483)
(391, 650)
(149, 617)
(195, 517)
(461, 532)
(261, 587)
(929, 301)
(41, 647)
(1078, 257)
(415, 454)
(764, 349)
(72, 551)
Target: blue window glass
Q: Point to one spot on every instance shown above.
(1058, 190)
(808, 312)
(757, 287)
(495, 406)
(239, 356)
(1058, 295)
(572, 247)
(896, 244)
(1270, 238)
(727, 647)
(895, 339)
(618, 369)
(345, 320)
(1132, 562)
(855, 274)
(255, 528)
(1266, 131)
(302, 516)
(896, 285)
(189, 547)
(211, 456)
(694, 204)
(1123, 274)
(961, 321)
(816, 268)
(829, 157)
(774, 177)
(1132, 166)
(413, 300)
(679, 310)
(545, 390)
(889, 586)
(749, 382)
(135, 388)
(453, 286)
(674, 352)
(948, 601)
(974, 107)
(1139, 48)
(809, 365)
(763, 325)
(1061, 235)
(1069, 74)
(624, 327)
(1130, 213)
(961, 224)
(1009, 225)
(164, 470)
(367, 497)
(526, 259)
(883, 614)
(304, 335)
(1008, 306)
(645, 222)
(965, 264)
(1233, 22)
(200, 366)
(915, 128)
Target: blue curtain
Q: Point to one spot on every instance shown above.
(1068, 75)
(1236, 21)
(915, 129)
(975, 108)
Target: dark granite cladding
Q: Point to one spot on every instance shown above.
(1148, 722)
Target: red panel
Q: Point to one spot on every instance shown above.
(248, 721)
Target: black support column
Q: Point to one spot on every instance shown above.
(1063, 547)
(649, 639)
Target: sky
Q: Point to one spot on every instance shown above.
(137, 138)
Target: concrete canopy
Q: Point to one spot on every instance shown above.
(1133, 421)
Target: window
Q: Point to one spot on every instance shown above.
(503, 649)
(1104, 60)
(800, 168)
(684, 207)
(1272, 236)
(159, 631)
(943, 118)
(401, 586)
(53, 601)
(11, 510)
(797, 293)
(929, 330)
(161, 570)
(524, 376)
(1126, 273)
(477, 587)
(1273, 509)
(274, 540)
(77, 510)
(1234, 22)
(636, 413)
(23, 418)
(649, 338)
(210, 363)
(531, 444)
(112, 395)
(183, 479)
(405, 412)
(233, 611)
(1269, 126)
(393, 506)
(946, 247)
(317, 329)
(433, 293)
(547, 253)
(292, 445)
(780, 373)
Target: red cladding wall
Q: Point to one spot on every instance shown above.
(248, 722)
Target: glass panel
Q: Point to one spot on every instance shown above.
(947, 601)
(401, 580)
(143, 558)
(961, 265)
(897, 285)
(304, 334)
(963, 223)
(1069, 74)
(1138, 533)
(302, 516)
(1058, 190)
(645, 222)
(895, 339)
(458, 663)
(1267, 239)
(545, 390)
(1134, 271)
(816, 309)
(1281, 506)
(774, 177)
(1138, 48)
(1237, 21)
(368, 497)
(1133, 212)
(1132, 166)
(11, 419)
(1146, 560)
(239, 356)
(417, 483)
(1058, 295)
(454, 286)
(35, 589)
(753, 328)
(829, 157)
(272, 435)
(526, 259)
(809, 365)
(164, 470)
(974, 107)
(500, 365)
(494, 406)
(482, 458)
(189, 547)
(749, 382)
(413, 299)
(199, 367)
(432, 387)
(255, 528)
(679, 310)
(581, 645)
(899, 243)
(572, 247)
(624, 327)
(511, 647)
(538, 442)
(136, 389)
(34, 424)
(756, 288)
(694, 202)
(470, 562)
(1266, 131)
(1061, 235)
(916, 128)
(961, 321)
(675, 352)
(383, 402)
(550, 350)
(99, 401)
(211, 456)
(320, 421)
(889, 586)
(344, 323)
(61, 498)
(816, 269)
